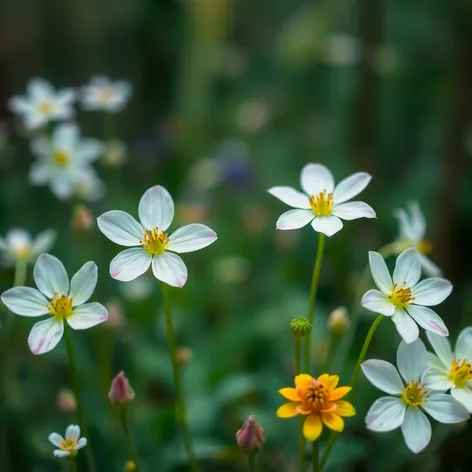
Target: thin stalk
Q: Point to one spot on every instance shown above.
(73, 464)
(179, 400)
(298, 349)
(316, 457)
(251, 459)
(129, 440)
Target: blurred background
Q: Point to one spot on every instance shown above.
(230, 98)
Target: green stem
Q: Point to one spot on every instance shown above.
(75, 388)
(180, 406)
(316, 457)
(129, 440)
(73, 464)
(298, 348)
(251, 458)
(311, 305)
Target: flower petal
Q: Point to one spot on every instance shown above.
(428, 319)
(353, 211)
(50, 275)
(316, 178)
(429, 267)
(130, 264)
(464, 344)
(291, 197)
(60, 454)
(406, 230)
(82, 442)
(411, 360)
(88, 315)
(380, 272)
(288, 410)
(25, 301)
(45, 335)
(405, 325)
(378, 302)
(431, 292)
(44, 242)
(121, 228)
(385, 414)
(383, 375)
(351, 186)
(191, 238)
(418, 221)
(303, 381)
(333, 421)
(290, 394)
(73, 431)
(156, 208)
(328, 225)
(407, 268)
(55, 439)
(344, 408)
(464, 396)
(437, 379)
(442, 347)
(445, 409)
(339, 392)
(40, 89)
(312, 427)
(294, 219)
(83, 283)
(170, 268)
(416, 429)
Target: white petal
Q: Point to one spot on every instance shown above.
(433, 359)
(316, 178)
(442, 347)
(411, 360)
(89, 150)
(45, 335)
(407, 268)
(294, 219)
(431, 292)
(385, 414)
(429, 267)
(416, 429)
(418, 221)
(378, 302)
(428, 319)
(88, 315)
(464, 396)
(20, 105)
(156, 208)
(383, 375)
(406, 228)
(405, 325)
(445, 409)
(55, 439)
(380, 272)
(291, 197)
(60, 454)
(25, 301)
(169, 268)
(82, 442)
(40, 88)
(328, 225)
(50, 275)
(351, 186)
(121, 228)
(435, 378)
(44, 241)
(353, 211)
(40, 173)
(66, 136)
(83, 283)
(191, 238)
(73, 431)
(130, 264)
(464, 344)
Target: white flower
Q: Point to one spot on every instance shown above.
(58, 299)
(103, 94)
(18, 245)
(404, 298)
(69, 445)
(64, 161)
(452, 370)
(410, 397)
(43, 104)
(89, 187)
(412, 234)
(115, 153)
(156, 212)
(323, 203)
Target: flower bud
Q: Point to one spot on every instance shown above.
(82, 219)
(300, 327)
(183, 355)
(250, 437)
(116, 318)
(338, 321)
(121, 393)
(130, 466)
(66, 401)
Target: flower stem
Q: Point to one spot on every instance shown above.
(73, 464)
(75, 388)
(251, 458)
(311, 305)
(129, 440)
(316, 458)
(180, 406)
(298, 349)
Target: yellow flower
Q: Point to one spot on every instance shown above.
(319, 400)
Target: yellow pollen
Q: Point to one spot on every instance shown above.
(461, 372)
(316, 397)
(414, 394)
(154, 241)
(322, 204)
(401, 295)
(60, 306)
(69, 444)
(46, 107)
(61, 158)
(424, 246)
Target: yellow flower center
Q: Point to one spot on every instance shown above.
(414, 394)
(154, 241)
(322, 204)
(61, 158)
(69, 444)
(46, 107)
(23, 252)
(316, 397)
(401, 295)
(106, 94)
(461, 372)
(424, 246)
(60, 306)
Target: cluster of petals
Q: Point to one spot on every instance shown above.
(69, 445)
(102, 94)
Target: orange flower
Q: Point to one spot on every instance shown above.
(320, 400)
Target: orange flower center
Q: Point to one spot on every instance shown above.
(154, 241)
(316, 397)
(69, 444)
(60, 306)
(322, 203)
(401, 296)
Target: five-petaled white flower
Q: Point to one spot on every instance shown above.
(19, 246)
(410, 398)
(69, 445)
(403, 298)
(156, 212)
(412, 234)
(105, 95)
(57, 298)
(64, 161)
(452, 370)
(323, 203)
(43, 104)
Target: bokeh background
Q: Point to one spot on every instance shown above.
(229, 99)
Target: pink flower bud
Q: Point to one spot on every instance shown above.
(121, 393)
(65, 401)
(250, 437)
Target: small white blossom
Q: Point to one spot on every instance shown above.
(89, 187)
(105, 95)
(56, 297)
(323, 204)
(115, 153)
(154, 246)
(70, 445)
(405, 298)
(409, 397)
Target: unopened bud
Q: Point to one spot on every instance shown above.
(82, 219)
(116, 319)
(130, 466)
(250, 437)
(66, 401)
(338, 321)
(300, 327)
(183, 354)
(121, 393)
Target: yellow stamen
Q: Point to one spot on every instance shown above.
(401, 295)
(46, 107)
(154, 241)
(414, 394)
(424, 246)
(461, 372)
(60, 306)
(69, 444)
(61, 158)
(316, 397)
(322, 204)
